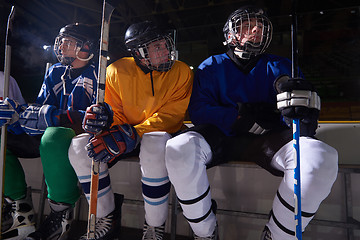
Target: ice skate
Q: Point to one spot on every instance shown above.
(153, 233)
(214, 235)
(18, 218)
(108, 227)
(266, 234)
(57, 225)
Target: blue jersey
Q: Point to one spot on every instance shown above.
(80, 91)
(219, 85)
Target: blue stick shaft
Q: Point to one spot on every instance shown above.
(297, 181)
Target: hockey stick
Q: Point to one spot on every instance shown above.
(95, 166)
(6, 94)
(296, 127)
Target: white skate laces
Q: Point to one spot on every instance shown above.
(153, 233)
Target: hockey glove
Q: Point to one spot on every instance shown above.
(108, 145)
(256, 118)
(9, 111)
(35, 119)
(97, 118)
(297, 99)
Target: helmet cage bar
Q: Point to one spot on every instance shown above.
(66, 43)
(235, 29)
(156, 61)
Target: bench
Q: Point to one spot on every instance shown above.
(244, 206)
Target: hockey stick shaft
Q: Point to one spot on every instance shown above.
(296, 128)
(6, 94)
(95, 166)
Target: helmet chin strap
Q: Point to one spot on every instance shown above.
(242, 54)
(83, 59)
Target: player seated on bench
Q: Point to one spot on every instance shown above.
(146, 99)
(56, 117)
(234, 109)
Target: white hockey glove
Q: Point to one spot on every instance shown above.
(9, 111)
(297, 99)
(35, 119)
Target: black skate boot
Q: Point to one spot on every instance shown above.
(153, 233)
(108, 227)
(266, 234)
(18, 218)
(57, 225)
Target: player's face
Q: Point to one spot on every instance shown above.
(250, 31)
(68, 46)
(158, 52)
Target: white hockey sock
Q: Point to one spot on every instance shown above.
(318, 170)
(155, 182)
(82, 166)
(186, 158)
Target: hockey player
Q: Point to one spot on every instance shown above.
(149, 95)
(233, 108)
(68, 88)
(17, 146)
(14, 90)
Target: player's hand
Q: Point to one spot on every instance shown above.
(111, 143)
(97, 118)
(256, 118)
(295, 97)
(36, 118)
(9, 111)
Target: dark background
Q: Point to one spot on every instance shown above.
(328, 38)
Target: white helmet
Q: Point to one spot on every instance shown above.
(238, 24)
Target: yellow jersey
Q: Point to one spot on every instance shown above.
(154, 101)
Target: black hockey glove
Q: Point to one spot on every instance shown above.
(256, 118)
(97, 118)
(297, 99)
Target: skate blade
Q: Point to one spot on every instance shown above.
(18, 233)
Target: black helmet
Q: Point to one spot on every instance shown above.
(234, 26)
(138, 37)
(84, 36)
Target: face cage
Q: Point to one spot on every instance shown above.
(142, 53)
(77, 47)
(250, 48)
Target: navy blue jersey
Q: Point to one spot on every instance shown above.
(219, 85)
(80, 91)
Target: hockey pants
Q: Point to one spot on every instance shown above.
(186, 158)
(59, 175)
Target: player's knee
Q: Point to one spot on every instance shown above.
(329, 164)
(327, 161)
(320, 168)
(55, 142)
(53, 135)
(152, 148)
(77, 153)
(180, 152)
